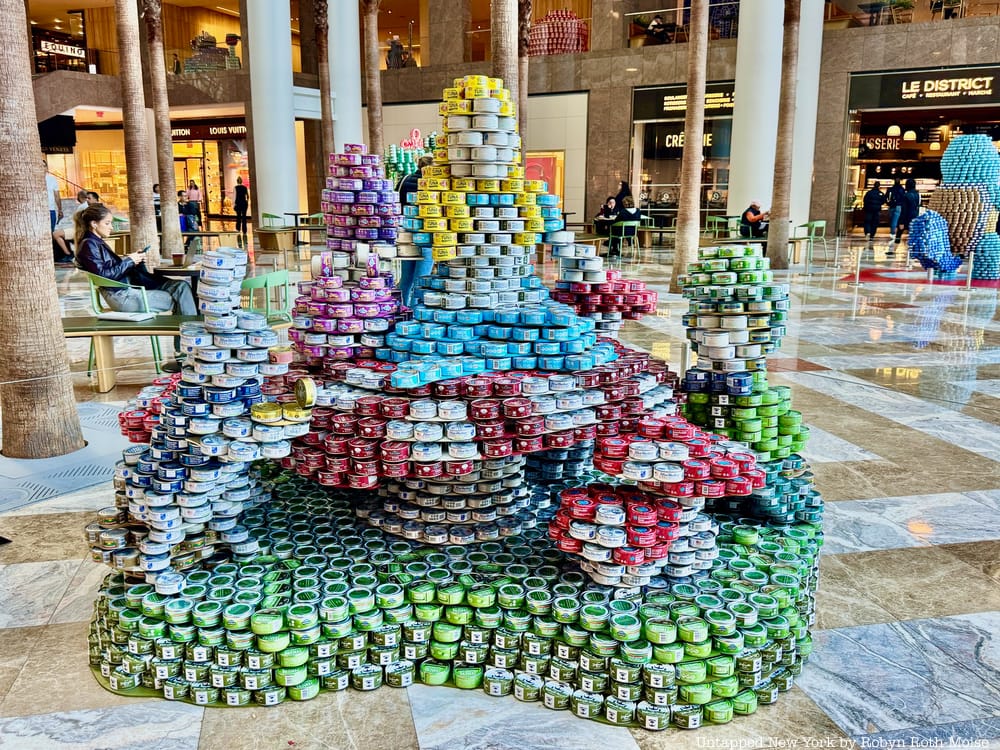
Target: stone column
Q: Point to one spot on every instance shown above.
(345, 73)
(268, 49)
(806, 104)
(755, 115)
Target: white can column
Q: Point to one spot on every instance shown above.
(806, 104)
(345, 73)
(272, 107)
(755, 114)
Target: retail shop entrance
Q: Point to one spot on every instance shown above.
(900, 123)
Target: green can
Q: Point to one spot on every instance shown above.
(652, 717)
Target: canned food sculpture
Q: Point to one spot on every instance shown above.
(412, 526)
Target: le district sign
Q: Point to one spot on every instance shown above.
(955, 87)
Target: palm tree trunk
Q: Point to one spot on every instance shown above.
(36, 390)
(503, 43)
(781, 190)
(142, 216)
(171, 244)
(523, 32)
(689, 200)
(321, 21)
(373, 78)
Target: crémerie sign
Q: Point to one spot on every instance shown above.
(944, 87)
(669, 102)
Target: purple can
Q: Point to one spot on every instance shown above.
(350, 325)
(340, 311)
(338, 295)
(366, 310)
(366, 234)
(326, 325)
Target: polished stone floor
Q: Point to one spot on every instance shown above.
(900, 383)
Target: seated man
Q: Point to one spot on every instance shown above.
(753, 221)
(658, 30)
(628, 212)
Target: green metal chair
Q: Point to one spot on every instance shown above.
(815, 230)
(271, 221)
(626, 233)
(716, 226)
(277, 295)
(99, 282)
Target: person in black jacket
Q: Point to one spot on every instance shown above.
(911, 209)
(94, 255)
(872, 202)
(628, 212)
(241, 204)
(623, 190)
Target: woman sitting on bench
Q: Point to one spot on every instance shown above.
(94, 255)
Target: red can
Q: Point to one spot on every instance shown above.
(711, 488)
(372, 427)
(366, 467)
(360, 448)
(699, 447)
(459, 468)
(651, 427)
(338, 463)
(666, 531)
(607, 428)
(345, 424)
(362, 482)
(447, 388)
(395, 470)
(330, 478)
(724, 468)
(529, 444)
(562, 439)
(683, 431)
(303, 470)
(484, 409)
(641, 515)
(478, 387)
(613, 447)
(395, 450)
(611, 466)
(739, 486)
(368, 405)
(569, 544)
(570, 495)
(586, 432)
(668, 510)
(641, 536)
(629, 556)
(497, 448)
(746, 461)
(605, 412)
(516, 408)
(490, 429)
(394, 408)
(428, 469)
(757, 478)
(335, 446)
(583, 508)
(530, 426)
(507, 387)
(694, 469)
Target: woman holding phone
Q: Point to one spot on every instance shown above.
(94, 255)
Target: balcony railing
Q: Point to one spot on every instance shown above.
(671, 24)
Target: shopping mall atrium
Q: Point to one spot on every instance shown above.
(499, 374)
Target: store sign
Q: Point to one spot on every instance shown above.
(208, 131)
(926, 88)
(665, 140)
(415, 141)
(54, 48)
(882, 143)
(670, 102)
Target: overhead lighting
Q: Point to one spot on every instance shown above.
(910, 135)
(631, 70)
(935, 146)
(893, 131)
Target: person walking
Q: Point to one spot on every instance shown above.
(52, 193)
(894, 197)
(241, 204)
(911, 209)
(872, 203)
(194, 196)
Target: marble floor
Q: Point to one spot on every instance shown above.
(901, 386)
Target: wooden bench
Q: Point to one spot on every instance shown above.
(103, 333)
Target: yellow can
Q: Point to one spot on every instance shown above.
(461, 225)
(512, 186)
(463, 184)
(435, 225)
(477, 92)
(535, 225)
(453, 198)
(442, 108)
(534, 186)
(506, 109)
(525, 238)
(524, 199)
(444, 239)
(434, 171)
(428, 196)
(452, 92)
(529, 212)
(488, 186)
(459, 106)
(495, 83)
(458, 212)
(515, 173)
(432, 183)
(443, 253)
(476, 81)
(430, 211)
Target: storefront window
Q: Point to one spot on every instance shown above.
(214, 162)
(658, 144)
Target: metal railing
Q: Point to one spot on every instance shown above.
(723, 23)
(555, 36)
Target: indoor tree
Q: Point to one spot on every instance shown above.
(321, 24)
(373, 76)
(36, 390)
(152, 15)
(781, 187)
(523, 33)
(689, 200)
(142, 215)
(503, 44)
